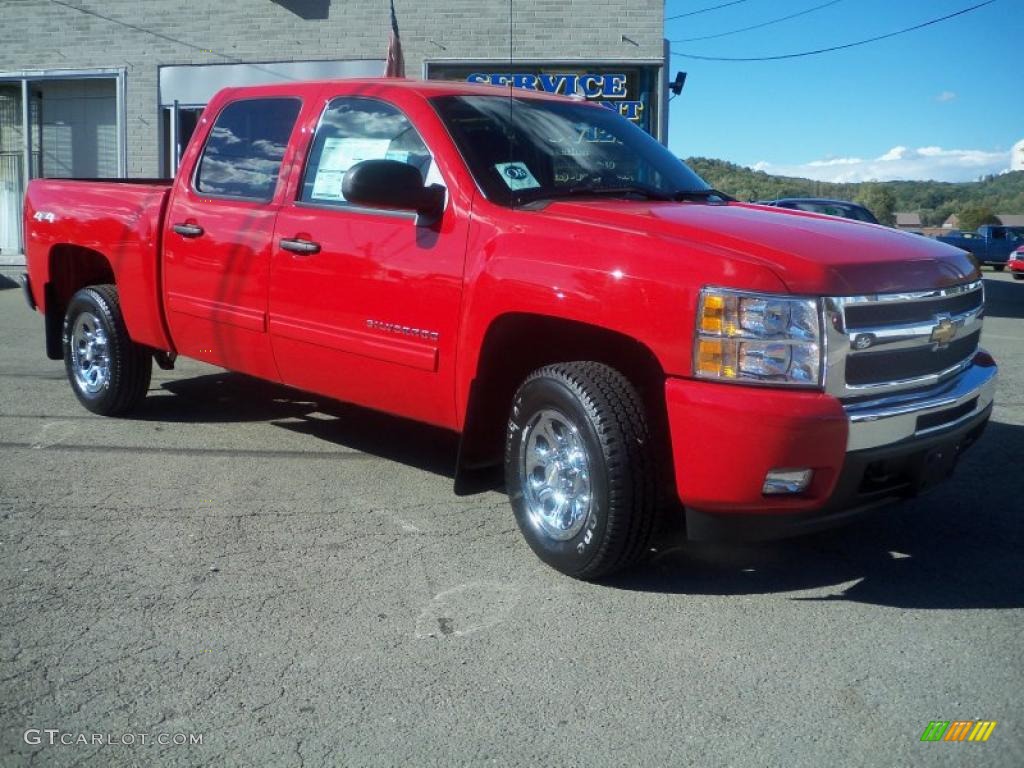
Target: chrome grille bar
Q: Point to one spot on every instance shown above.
(945, 321)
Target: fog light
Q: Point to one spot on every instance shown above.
(787, 481)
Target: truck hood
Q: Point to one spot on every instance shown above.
(811, 253)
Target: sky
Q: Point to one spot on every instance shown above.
(945, 102)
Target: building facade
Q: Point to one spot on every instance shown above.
(106, 88)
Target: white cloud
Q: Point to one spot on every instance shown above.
(922, 163)
(946, 96)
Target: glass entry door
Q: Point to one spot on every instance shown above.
(71, 129)
(12, 175)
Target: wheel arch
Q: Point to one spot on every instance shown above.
(70, 268)
(516, 344)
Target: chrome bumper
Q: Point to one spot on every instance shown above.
(886, 420)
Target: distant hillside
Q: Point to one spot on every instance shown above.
(934, 200)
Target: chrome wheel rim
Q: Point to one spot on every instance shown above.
(555, 475)
(90, 355)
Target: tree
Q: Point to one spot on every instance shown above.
(976, 216)
(880, 201)
(938, 216)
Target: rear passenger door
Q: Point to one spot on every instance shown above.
(218, 235)
(364, 303)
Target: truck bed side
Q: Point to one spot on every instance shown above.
(81, 232)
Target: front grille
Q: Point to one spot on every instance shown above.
(900, 329)
(895, 312)
(900, 364)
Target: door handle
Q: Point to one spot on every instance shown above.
(188, 230)
(301, 247)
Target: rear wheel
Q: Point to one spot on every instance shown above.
(107, 370)
(579, 469)
(998, 267)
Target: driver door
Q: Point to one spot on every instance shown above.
(364, 303)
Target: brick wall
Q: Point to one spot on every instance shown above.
(141, 35)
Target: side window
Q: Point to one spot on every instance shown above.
(242, 156)
(354, 129)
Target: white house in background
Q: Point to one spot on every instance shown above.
(1017, 156)
(1011, 219)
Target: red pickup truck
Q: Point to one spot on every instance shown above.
(542, 277)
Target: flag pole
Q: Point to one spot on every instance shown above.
(395, 66)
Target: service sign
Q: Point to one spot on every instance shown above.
(629, 90)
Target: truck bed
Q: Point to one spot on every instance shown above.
(109, 226)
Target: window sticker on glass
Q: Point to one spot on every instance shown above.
(517, 175)
(338, 155)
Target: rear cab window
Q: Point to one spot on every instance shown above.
(246, 146)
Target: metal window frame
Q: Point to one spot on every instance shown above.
(27, 76)
(118, 74)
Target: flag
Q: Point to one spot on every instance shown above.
(396, 61)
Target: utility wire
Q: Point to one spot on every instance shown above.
(704, 10)
(837, 47)
(758, 26)
(143, 30)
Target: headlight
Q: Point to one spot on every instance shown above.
(757, 337)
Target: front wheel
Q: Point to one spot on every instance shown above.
(107, 370)
(1018, 275)
(998, 267)
(579, 469)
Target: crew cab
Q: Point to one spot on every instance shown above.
(991, 244)
(542, 277)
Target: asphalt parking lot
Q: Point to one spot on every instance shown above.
(295, 582)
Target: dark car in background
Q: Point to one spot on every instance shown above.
(842, 208)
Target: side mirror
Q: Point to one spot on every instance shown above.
(395, 186)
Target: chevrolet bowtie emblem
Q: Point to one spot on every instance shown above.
(943, 332)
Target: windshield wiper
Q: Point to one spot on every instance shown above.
(700, 194)
(585, 191)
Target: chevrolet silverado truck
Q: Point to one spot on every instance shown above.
(542, 277)
(991, 245)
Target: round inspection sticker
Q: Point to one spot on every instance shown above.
(517, 175)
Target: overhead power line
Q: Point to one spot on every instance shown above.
(758, 26)
(837, 47)
(143, 30)
(704, 10)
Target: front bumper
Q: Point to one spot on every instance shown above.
(726, 438)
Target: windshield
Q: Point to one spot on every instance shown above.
(522, 150)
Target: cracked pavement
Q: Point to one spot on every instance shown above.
(294, 580)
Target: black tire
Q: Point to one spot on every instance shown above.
(1018, 275)
(998, 267)
(128, 365)
(610, 423)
